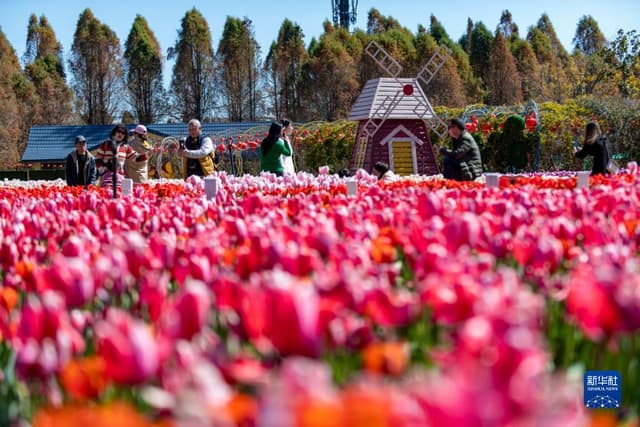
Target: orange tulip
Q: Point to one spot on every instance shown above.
(8, 298)
(314, 413)
(242, 409)
(366, 407)
(84, 378)
(112, 415)
(382, 250)
(386, 357)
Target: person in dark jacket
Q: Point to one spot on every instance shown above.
(80, 168)
(463, 162)
(595, 144)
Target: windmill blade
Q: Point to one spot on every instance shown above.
(437, 125)
(432, 67)
(387, 105)
(383, 59)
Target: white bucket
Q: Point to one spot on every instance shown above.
(492, 179)
(582, 179)
(211, 187)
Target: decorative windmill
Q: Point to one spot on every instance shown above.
(395, 117)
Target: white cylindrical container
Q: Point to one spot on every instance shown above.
(582, 179)
(127, 186)
(352, 187)
(211, 187)
(492, 179)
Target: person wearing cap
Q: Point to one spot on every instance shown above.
(80, 167)
(136, 166)
(463, 161)
(198, 157)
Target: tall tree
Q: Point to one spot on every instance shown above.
(507, 26)
(44, 67)
(192, 85)
(446, 88)
(377, 23)
(480, 57)
(472, 85)
(331, 82)
(595, 65)
(239, 57)
(16, 97)
(626, 50)
(529, 70)
(556, 65)
(465, 40)
(503, 80)
(284, 66)
(143, 65)
(96, 65)
(588, 38)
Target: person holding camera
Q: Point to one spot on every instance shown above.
(198, 157)
(272, 148)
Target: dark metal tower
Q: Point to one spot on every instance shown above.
(344, 12)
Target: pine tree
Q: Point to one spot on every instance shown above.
(193, 82)
(507, 26)
(96, 65)
(480, 56)
(529, 70)
(17, 94)
(588, 38)
(330, 78)
(503, 80)
(284, 65)
(471, 84)
(446, 88)
(239, 57)
(143, 65)
(378, 23)
(465, 40)
(594, 63)
(557, 68)
(44, 68)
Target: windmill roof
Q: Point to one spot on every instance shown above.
(54, 143)
(378, 94)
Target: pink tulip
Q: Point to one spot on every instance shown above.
(189, 312)
(128, 347)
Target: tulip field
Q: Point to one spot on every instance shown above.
(285, 302)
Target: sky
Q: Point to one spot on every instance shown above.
(164, 17)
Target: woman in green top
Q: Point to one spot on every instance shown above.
(270, 150)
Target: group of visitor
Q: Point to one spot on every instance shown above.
(464, 162)
(129, 156)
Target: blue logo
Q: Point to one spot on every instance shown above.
(602, 389)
